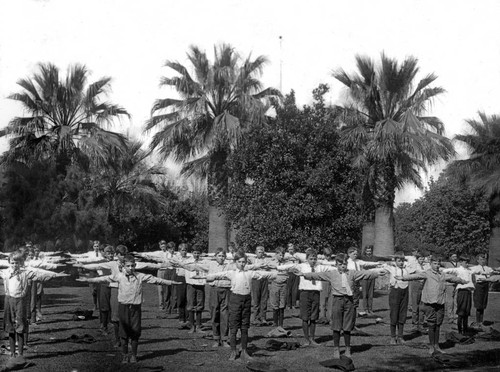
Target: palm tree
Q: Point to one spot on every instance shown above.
(205, 124)
(482, 170)
(124, 179)
(390, 138)
(66, 118)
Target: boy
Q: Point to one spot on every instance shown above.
(195, 290)
(240, 300)
(293, 280)
(464, 293)
(482, 272)
(398, 297)
(433, 298)
(451, 289)
(129, 302)
(415, 291)
(15, 280)
(309, 294)
(367, 285)
(342, 282)
(278, 289)
(180, 289)
(260, 290)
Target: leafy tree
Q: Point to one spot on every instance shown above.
(447, 218)
(201, 128)
(482, 170)
(66, 118)
(389, 137)
(291, 181)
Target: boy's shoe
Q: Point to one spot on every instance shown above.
(233, 355)
(133, 359)
(400, 341)
(245, 357)
(192, 330)
(125, 359)
(362, 313)
(394, 341)
(438, 349)
(348, 351)
(225, 344)
(314, 343)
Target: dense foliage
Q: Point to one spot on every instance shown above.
(447, 218)
(291, 181)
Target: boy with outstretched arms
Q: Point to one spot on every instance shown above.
(278, 289)
(415, 291)
(309, 293)
(15, 280)
(240, 300)
(464, 292)
(260, 289)
(129, 302)
(342, 281)
(433, 298)
(482, 273)
(398, 297)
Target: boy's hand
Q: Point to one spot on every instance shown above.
(398, 277)
(62, 275)
(174, 282)
(81, 279)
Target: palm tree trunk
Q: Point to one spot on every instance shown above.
(368, 234)
(217, 229)
(384, 231)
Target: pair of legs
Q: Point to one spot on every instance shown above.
(94, 289)
(180, 294)
(292, 290)
(195, 306)
(36, 302)
(343, 318)
(450, 304)
(219, 302)
(239, 318)
(434, 313)
(398, 305)
(464, 303)
(130, 330)
(104, 307)
(260, 296)
(309, 313)
(15, 322)
(417, 313)
(480, 300)
(367, 292)
(278, 302)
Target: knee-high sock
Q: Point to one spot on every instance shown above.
(191, 318)
(244, 339)
(393, 330)
(281, 318)
(134, 344)
(305, 329)
(401, 328)
(124, 343)
(20, 343)
(12, 343)
(336, 338)
(436, 335)
(347, 339)
(312, 329)
(276, 317)
(198, 318)
(232, 339)
(116, 328)
(432, 335)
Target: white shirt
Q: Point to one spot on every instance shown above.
(481, 271)
(462, 273)
(396, 271)
(241, 280)
(306, 284)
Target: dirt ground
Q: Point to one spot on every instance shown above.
(164, 347)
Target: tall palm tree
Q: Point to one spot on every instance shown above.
(482, 170)
(388, 133)
(205, 123)
(66, 117)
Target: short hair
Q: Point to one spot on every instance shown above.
(96, 242)
(418, 254)
(220, 250)
(109, 248)
(162, 242)
(171, 245)
(121, 249)
(183, 245)
(129, 258)
(341, 258)
(464, 258)
(369, 246)
(279, 249)
(352, 249)
(399, 256)
(436, 258)
(259, 247)
(310, 252)
(196, 248)
(17, 256)
(481, 255)
(240, 254)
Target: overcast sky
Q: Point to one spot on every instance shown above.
(130, 41)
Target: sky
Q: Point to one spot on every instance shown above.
(131, 40)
